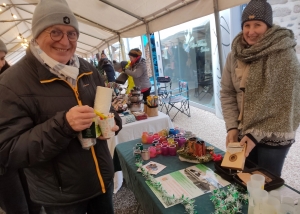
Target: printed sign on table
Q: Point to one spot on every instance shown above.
(190, 182)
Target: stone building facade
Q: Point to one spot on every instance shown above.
(286, 13)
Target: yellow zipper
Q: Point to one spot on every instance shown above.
(80, 103)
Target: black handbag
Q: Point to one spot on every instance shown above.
(122, 78)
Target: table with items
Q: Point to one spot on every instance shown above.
(133, 131)
(167, 177)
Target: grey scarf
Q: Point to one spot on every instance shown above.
(272, 93)
(66, 72)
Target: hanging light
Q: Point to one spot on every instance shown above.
(14, 16)
(24, 42)
(24, 45)
(20, 36)
(4, 4)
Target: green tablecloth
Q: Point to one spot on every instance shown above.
(144, 195)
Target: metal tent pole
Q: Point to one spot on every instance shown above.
(122, 49)
(218, 31)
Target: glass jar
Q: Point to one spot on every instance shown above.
(150, 137)
(170, 140)
(172, 150)
(172, 132)
(158, 148)
(162, 139)
(155, 142)
(152, 151)
(176, 138)
(145, 154)
(181, 142)
(165, 150)
(164, 132)
(144, 137)
(156, 135)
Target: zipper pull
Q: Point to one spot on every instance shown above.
(60, 189)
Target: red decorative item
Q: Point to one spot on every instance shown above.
(140, 116)
(217, 157)
(198, 149)
(203, 147)
(190, 146)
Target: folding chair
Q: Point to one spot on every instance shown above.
(164, 86)
(206, 88)
(178, 99)
(205, 85)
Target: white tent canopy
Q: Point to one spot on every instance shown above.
(103, 22)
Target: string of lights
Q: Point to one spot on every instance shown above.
(24, 42)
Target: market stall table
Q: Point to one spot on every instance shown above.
(133, 131)
(144, 195)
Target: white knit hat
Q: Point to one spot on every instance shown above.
(3, 47)
(52, 12)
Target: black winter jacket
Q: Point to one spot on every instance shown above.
(110, 72)
(106, 66)
(35, 134)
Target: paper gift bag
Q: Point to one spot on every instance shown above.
(93, 131)
(106, 125)
(151, 111)
(103, 99)
(235, 156)
(88, 136)
(86, 143)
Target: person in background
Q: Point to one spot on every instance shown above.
(103, 55)
(107, 69)
(3, 51)
(120, 67)
(260, 92)
(138, 70)
(46, 100)
(13, 184)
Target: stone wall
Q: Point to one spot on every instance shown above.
(286, 13)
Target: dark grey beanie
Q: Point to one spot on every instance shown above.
(52, 12)
(3, 47)
(258, 10)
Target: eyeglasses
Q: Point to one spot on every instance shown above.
(57, 35)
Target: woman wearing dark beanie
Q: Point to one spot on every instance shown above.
(138, 70)
(260, 92)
